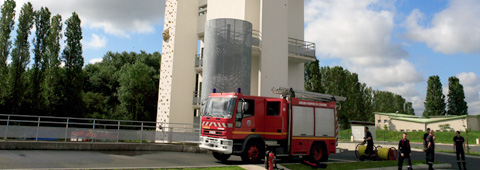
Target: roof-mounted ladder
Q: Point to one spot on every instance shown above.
(306, 95)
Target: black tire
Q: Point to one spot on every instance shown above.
(318, 152)
(254, 152)
(220, 156)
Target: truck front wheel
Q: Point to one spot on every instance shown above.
(253, 153)
(220, 156)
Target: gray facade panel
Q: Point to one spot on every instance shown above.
(227, 56)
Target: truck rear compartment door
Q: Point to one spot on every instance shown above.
(324, 122)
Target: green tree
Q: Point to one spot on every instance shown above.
(103, 84)
(52, 86)
(399, 103)
(367, 98)
(313, 77)
(456, 98)
(337, 81)
(384, 101)
(74, 77)
(409, 109)
(20, 59)
(6, 26)
(42, 25)
(435, 100)
(136, 87)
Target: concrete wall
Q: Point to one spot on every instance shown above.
(456, 124)
(473, 123)
(295, 19)
(252, 13)
(254, 86)
(219, 9)
(296, 71)
(274, 58)
(296, 75)
(382, 119)
(399, 125)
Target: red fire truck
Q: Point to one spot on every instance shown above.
(299, 123)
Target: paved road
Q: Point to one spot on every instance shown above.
(38, 159)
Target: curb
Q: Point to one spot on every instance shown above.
(92, 146)
(416, 167)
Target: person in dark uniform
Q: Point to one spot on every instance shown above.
(369, 139)
(405, 152)
(430, 150)
(425, 139)
(458, 147)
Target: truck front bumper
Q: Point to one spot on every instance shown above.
(224, 146)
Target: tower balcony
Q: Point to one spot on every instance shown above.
(197, 100)
(301, 51)
(198, 63)
(256, 42)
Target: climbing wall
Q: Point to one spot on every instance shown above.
(177, 74)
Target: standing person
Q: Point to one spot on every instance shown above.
(369, 139)
(430, 155)
(425, 139)
(405, 152)
(458, 147)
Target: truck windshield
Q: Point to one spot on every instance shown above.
(219, 107)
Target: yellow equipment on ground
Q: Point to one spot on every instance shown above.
(380, 153)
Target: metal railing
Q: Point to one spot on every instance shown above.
(301, 47)
(197, 99)
(48, 128)
(198, 60)
(256, 38)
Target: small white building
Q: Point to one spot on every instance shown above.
(411, 123)
(358, 130)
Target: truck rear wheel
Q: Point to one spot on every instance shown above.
(253, 153)
(220, 156)
(318, 152)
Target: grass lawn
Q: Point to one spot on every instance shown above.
(352, 165)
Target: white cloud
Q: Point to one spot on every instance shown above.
(453, 30)
(115, 17)
(95, 60)
(359, 33)
(97, 42)
(471, 87)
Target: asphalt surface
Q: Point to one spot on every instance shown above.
(40, 159)
(447, 147)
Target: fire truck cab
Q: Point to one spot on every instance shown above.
(299, 123)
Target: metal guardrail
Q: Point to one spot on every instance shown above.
(48, 128)
(198, 60)
(197, 100)
(256, 38)
(301, 47)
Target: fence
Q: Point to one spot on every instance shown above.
(301, 47)
(47, 128)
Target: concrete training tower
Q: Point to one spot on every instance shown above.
(278, 51)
